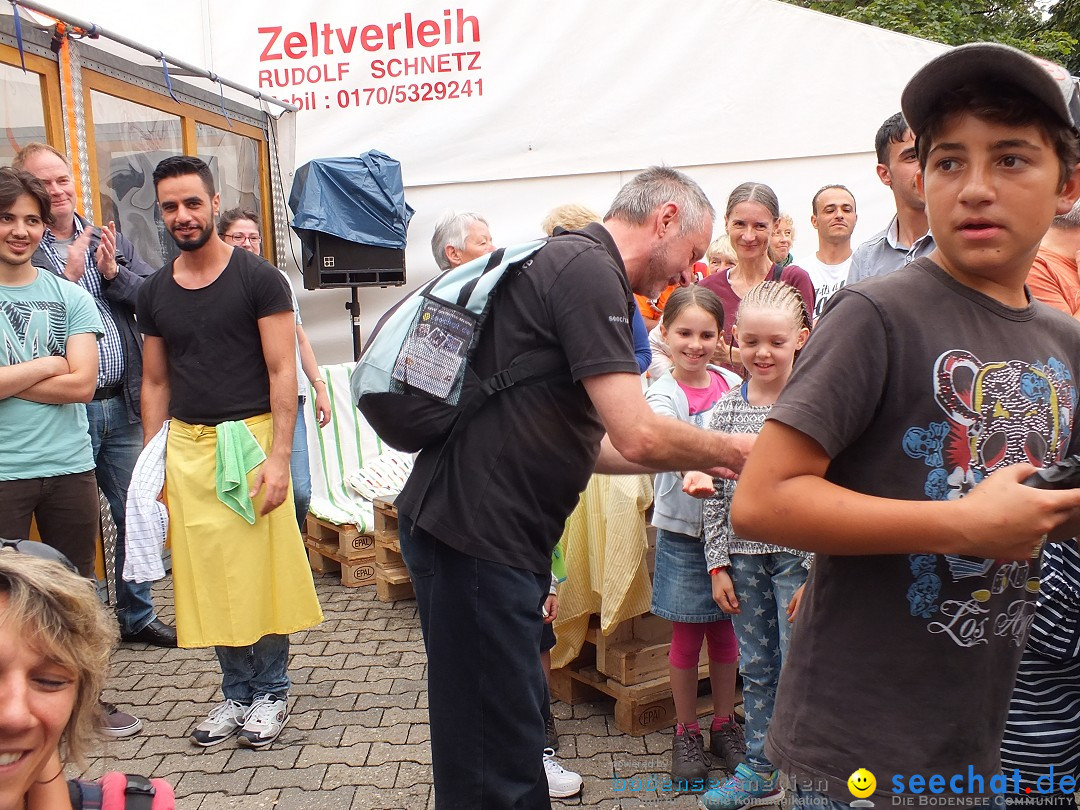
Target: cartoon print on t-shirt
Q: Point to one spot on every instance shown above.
(923, 593)
(996, 414)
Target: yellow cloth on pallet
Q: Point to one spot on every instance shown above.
(233, 583)
(606, 570)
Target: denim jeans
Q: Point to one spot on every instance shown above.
(486, 690)
(260, 669)
(299, 467)
(764, 585)
(117, 444)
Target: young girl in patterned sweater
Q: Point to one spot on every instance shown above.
(758, 585)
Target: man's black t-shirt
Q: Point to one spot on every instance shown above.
(503, 490)
(216, 368)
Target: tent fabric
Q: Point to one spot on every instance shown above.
(359, 199)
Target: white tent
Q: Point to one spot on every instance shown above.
(512, 108)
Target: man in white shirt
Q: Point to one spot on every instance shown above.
(834, 219)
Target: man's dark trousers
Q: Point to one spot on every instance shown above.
(486, 689)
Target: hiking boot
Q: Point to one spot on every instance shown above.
(224, 720)
(264, 722)
(729, 744)
(551, 733)
(118, 724)
(688, 760)
(561, 782)
(745, 788)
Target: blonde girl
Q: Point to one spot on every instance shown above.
(758, 585)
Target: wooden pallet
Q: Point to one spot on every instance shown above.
(392, 580)
(350, 542)
(392, 583)
(636, 651)
(639, 709)
(388, 557)
(325, 558)
(630, 665)
(386, 515)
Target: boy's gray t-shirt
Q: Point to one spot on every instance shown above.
(917, 387)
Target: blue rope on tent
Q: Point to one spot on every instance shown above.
(18, 34)
(221, 93)
(168, 81)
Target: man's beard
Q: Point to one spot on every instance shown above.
(194, 244)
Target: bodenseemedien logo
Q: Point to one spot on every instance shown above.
(862, 784)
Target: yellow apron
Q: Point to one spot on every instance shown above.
(233, 582)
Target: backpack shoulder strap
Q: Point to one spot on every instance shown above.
(128, 791)
(84, 795)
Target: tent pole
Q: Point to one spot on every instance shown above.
(93, 30)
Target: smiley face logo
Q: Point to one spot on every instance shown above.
(861, 783)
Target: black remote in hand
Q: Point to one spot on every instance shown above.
(1065, 474)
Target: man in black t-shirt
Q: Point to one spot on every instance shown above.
(480, 517)
(219, 359)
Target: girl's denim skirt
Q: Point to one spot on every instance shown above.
(682, 587)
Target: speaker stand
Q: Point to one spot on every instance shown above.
(354, 309)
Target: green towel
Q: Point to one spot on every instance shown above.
(238, 453)
(558, 562)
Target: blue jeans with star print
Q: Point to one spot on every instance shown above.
(764, 585)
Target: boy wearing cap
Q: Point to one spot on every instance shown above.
(897, 452)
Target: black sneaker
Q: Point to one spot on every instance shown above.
(688, 760)
(551, 733)
(729, 744)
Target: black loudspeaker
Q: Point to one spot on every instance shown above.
(336, 262)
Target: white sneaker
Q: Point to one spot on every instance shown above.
(264, 722)
(561, 782)
(224, 720)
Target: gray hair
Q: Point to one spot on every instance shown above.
(452, 229)
(658, 185)
(1069, 221)
(754, 192)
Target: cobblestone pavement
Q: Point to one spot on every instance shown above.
(358, 733)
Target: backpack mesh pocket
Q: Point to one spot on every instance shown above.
(435, 350)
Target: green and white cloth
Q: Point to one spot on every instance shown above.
(339, 450)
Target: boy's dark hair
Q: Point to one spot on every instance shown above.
(894, 130)
(233, 215)
(1001, 103)
(16, 182)
(181, 165)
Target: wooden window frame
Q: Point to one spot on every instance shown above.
(189, 116)
(49, 75)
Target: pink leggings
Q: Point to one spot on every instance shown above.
(686, 643)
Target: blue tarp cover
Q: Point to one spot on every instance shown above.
(360, 199)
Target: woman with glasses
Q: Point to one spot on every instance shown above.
(240, 228)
